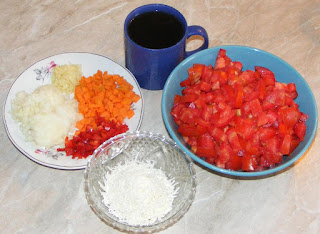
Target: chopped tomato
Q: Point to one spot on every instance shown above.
(300, 130)
(245, 127)
(205, 140)
(233, 139)
(222, 60)
(177, 99)
(224, 154)
(247, 77)
(223, 117)
(218, 134)
(175, 111)
(262, 119)
(272, 144)
(234, 163)
(207, 73)
(293, 145)
(238, 120)
(195, 73)
(285, 145)
(188, 98)
(289, 116)
(266, 75)
(189, 115)
(192, 131)
(265, 133)
(249, 163)
(255, 107)
(238, 95)
(206, 152)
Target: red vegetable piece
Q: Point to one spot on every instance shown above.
(266, 133)
(272, 144)
(83, 145)
(205, 140)
(234, 140)
(266, 75)
(176, 109)
(218, 134)
(205, 86)
(206, 152)
(285, 145)
(223, 117)
(289, 116)
(195, 73)
(188, 98)
(234, 163)
(249, 163)
(224, 154)
(245, 127)
(300, 130)
(238, 95)
(189, 115)
(207, 72)
(220, 61)
(238, 120)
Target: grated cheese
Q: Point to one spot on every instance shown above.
(138, 193)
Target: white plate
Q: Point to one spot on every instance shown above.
(40, 74)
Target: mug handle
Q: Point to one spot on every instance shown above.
(197, 30)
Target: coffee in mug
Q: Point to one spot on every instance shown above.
(155, 30)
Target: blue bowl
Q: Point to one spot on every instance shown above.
(249, 57)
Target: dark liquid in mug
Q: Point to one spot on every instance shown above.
(155, 30)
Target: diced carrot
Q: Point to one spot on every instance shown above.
(105, 95)
(130, 114)
(136, 98)
(118, 105)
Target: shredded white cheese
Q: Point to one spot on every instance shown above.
(138, 193)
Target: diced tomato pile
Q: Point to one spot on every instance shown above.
(238, 120)
(85, 142)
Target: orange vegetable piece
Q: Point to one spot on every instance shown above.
(105, 95)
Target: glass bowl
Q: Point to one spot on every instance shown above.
(141, 146)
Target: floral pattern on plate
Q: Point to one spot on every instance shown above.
(44, 72)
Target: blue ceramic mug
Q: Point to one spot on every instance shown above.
(152, 55)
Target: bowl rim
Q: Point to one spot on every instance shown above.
(143, 228)
(255, 174)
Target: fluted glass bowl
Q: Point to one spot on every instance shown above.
(143, 146)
